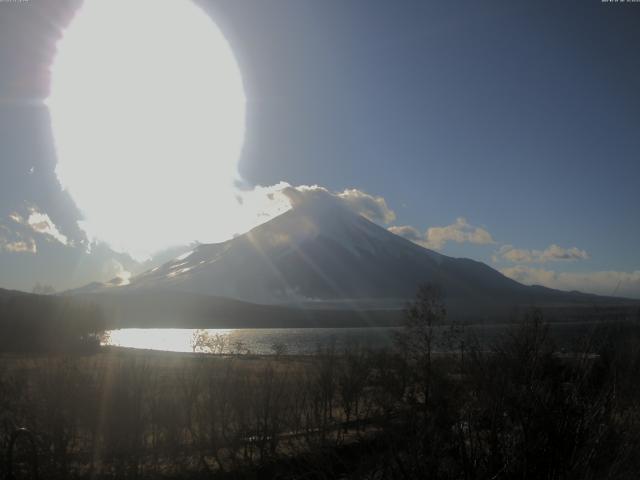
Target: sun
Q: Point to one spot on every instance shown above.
(148, 115)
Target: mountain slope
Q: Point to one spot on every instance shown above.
(321, 253)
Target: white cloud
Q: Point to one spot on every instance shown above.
(14, 242)
(552, 253)
(436, 237)
(624, 284)
(16, 218)
(18, 246)
(372, 207)
(40, 223)
(123, 278)
(408, 232)
(117, 274)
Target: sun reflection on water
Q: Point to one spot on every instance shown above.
(166, 339)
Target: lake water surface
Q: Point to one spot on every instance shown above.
(301, 341)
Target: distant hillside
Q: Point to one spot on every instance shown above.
(189, 310)
(41, 321)
(46, 322)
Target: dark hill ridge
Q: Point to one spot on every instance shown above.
(191, 310)
(320, 255)
(122, 308)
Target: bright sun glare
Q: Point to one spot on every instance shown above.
(148, 116)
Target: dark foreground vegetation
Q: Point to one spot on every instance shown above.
(521, 409)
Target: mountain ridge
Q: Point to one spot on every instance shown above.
(320, 254)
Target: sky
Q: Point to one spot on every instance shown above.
(506, 132)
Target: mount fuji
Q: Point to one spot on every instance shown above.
(321, 255)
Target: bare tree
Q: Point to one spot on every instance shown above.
(417, 338)
(203, 341)
(279, 349)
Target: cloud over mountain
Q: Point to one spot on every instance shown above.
(435, 238)
(410, 233)
(552, 253)
(625, 284)
(371, 207)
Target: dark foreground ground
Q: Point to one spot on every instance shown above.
(519, 410)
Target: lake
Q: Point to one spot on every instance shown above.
(302, 341)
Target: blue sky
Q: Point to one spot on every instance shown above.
(521, 118)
